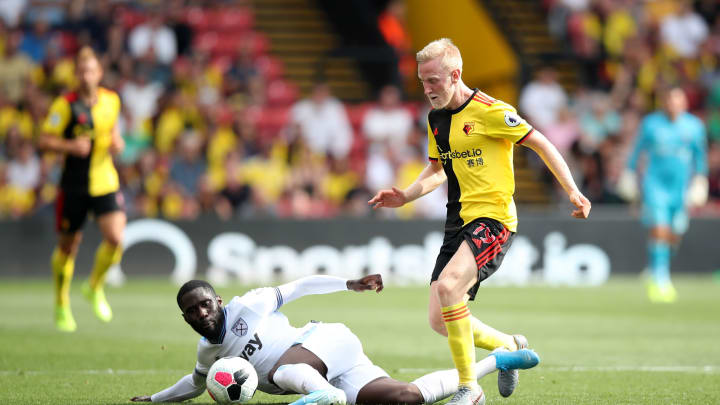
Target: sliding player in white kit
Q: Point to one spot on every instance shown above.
(324, 361)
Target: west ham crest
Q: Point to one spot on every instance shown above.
(240, 328)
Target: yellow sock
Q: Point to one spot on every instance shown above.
(105, 256)
(63, 267)
(460, 338)
(489, 338)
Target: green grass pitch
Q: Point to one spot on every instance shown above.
(604, 345)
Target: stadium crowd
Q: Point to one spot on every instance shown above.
(212, 125)
(627, 50)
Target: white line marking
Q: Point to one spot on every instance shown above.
(710, 369)
(661, 369)
(107, 371)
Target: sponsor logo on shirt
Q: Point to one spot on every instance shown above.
(253, 345)
(453, 154)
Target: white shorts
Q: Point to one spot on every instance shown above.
(349, 369)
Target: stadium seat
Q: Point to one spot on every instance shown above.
(281, 93)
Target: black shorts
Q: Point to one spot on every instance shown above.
(71, 209)
(489, 241)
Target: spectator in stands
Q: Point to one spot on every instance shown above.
(392, 26)
(140, 99)
(388, 123)
(236, 196)
(542, 99)
(564, 132)
(35, 43)
(23, 177)
(154, 40)
(11, 12)
(15, 68)
(323, 122)
(189, 166)
(714, 174)
(684, 30)
(599, 122)
(182, 30)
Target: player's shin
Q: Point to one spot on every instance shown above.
(659, 254)
(489, 338)
(63, 267)
(106, 256)
(460, 339)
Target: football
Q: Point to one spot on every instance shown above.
(232, 380)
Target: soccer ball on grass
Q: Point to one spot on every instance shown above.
(232, 380)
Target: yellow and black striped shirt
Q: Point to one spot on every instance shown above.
(475, 146)
(69, 117)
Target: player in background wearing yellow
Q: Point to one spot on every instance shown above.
(471, 138)
(82, 125)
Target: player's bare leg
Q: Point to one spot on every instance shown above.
(458, 276)
(386, 390)
(441, 384)
(660, 288)
(63, 267)
(112, 226)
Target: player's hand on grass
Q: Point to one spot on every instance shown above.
(80, 146)
(388, 198)
(581, 204)
(143, 398)
(371, 282)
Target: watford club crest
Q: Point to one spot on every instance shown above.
(468, 127)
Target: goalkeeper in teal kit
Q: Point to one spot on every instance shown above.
(674, 144)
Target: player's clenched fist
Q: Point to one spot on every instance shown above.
(582, 205)
(371, 282)
(388, 198)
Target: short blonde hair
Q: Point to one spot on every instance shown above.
(441, 48)
(86, 53)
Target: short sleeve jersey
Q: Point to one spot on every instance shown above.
(69, 117)
(253, 330)
(475, 143)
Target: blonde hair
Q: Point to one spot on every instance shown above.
(441, 48)
(86, 53)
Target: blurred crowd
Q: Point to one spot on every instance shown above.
(626, 50)
(210, 123)
(212, 126)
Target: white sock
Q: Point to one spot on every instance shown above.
(439, 385)
(300, 378)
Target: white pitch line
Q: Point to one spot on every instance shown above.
(662, 369)
(108, 371)
(710, 369)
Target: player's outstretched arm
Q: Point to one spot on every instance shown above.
(555, 162)
(322, 284)
(429, 179)
(190, 386)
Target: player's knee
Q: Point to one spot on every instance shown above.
(69, 244)
(408, 394)
(437, 324)
(447, 289)
(114, 239)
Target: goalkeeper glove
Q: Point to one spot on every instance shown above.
(697, 193)
(627, 186)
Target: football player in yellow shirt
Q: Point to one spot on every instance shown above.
(470, 144)
(82, 125)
